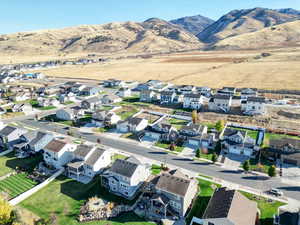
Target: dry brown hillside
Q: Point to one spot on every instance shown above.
(287, 34)
(153, 35)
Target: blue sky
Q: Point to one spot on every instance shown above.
(26, 15)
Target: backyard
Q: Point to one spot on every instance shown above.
(269, 136)
(62, 200)
(177, 123)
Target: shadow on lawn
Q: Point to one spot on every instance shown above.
(28, 163)
(198, 208)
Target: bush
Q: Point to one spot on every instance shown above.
(272, 171)
(246, 165)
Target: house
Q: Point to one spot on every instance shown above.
(205, 91)
(238, 142)
(44, 102)
(286, 149)
(90, 91)
(91, 103)
(87, 161)
(193, 130)
(227, 91)
(64, 98)
(31, 143)
(124, 93)
(110, 99)
(112, 83)
(183, 89)
(220, 103)
(248, 92)
(229, 207)
(21, 96)
(132, 124)
(192, 101)
(70, 113)
(77, 88)
(287, 216)
(165, 131)
(9, 136)
(125, 177)
(57, 153)
(148, 96)
(167, 97)
(254, 106)
(102, 118)
(23, 107)
(173, 195)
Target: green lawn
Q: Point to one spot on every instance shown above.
(269, 136)
(264, 167)
(16, 184)
(210, 126)
(267, 209)
(47, 108)
(155, 169)
(126, 114)
(68, 103)
(251, 133)
(118, 156)
(177, 123)
(63, 197)
(167, 146)
(9, 162)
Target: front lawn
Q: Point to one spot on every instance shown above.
(16, 184)
(155, 169)
(62, 199)
(167, 146)
(268, 208)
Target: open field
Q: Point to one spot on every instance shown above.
(213, 68)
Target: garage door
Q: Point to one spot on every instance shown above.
(290, 161)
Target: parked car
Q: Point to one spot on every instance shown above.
(275, 192)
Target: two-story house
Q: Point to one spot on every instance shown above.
(227, 91)
(110, 99)
(173, 195)
(132, 124)
(221, 103)
(149, 96)
(87, 161)
(9, 136)
(229, 207)
(192, 101)
(91, 103)
(89, 91)
(103, 118)
(124, 92)
(248, 92)
(57, 153)
(167, 97)
(162, 130)
(125, 177)
(238, 142)
(254, 106)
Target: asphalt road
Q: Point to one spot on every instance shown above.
(261, 183)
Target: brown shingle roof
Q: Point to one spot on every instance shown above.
(232, 205)
(55, 145)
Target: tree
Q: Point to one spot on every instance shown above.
(246, 165)
(5, 212)
(195, 116)
(198, 153)
(214, 158)
(220, 125)
(172, 146)
(272, 171)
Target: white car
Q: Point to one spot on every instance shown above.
(275, 192)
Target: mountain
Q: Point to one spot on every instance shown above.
(287, 34)
(289, 11)
(193, 24)
(244, 21)
(153, 35)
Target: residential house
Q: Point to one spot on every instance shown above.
(57, 153)
(227, 91)
(77, 88)
(220, 103)
(102, 118)
(254, 106)
(248, 92)
(91, 103)
(148, 96)
(125, 177)
(110, 99)
(192, 101)
(112, 83)
(205, 91)
(124, 93)
(70, 113)
(87, 161)
(64, 98)
(193, 130)
(162, 130)
(183, 89)
(9, 136)
(90, 91)
(23, 107)
(173, 195)
(44, 102)
(238, 142)
(167, 97)
(229, 207)
(31, 143)
(20, 96)
(285, 149)
(132, 124)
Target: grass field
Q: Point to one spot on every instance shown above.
(16, 184)
(63, 197)
(155, 169)
(167, 146)
(269, 136)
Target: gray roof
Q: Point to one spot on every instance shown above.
(7, 130)
(92, 100)
(256, 99)
(95, 156)
(173, 184)
(223, 97)
(83, 150)
(134, 120)
(124, 167)
(39, 135)
(192, 95)
(55, 145)
(281, 143)
(229, 132)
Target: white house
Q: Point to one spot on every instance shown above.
(124, 93)
(58, 153)
(21, 96)
(10, 135)
(110, 99)
(103, 118)
(220, 103)
(192, 101)
(87, 161)
(132, 124)
(125, 177)
(254, 106)
(65, 114)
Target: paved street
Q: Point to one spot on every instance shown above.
(252, 181)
